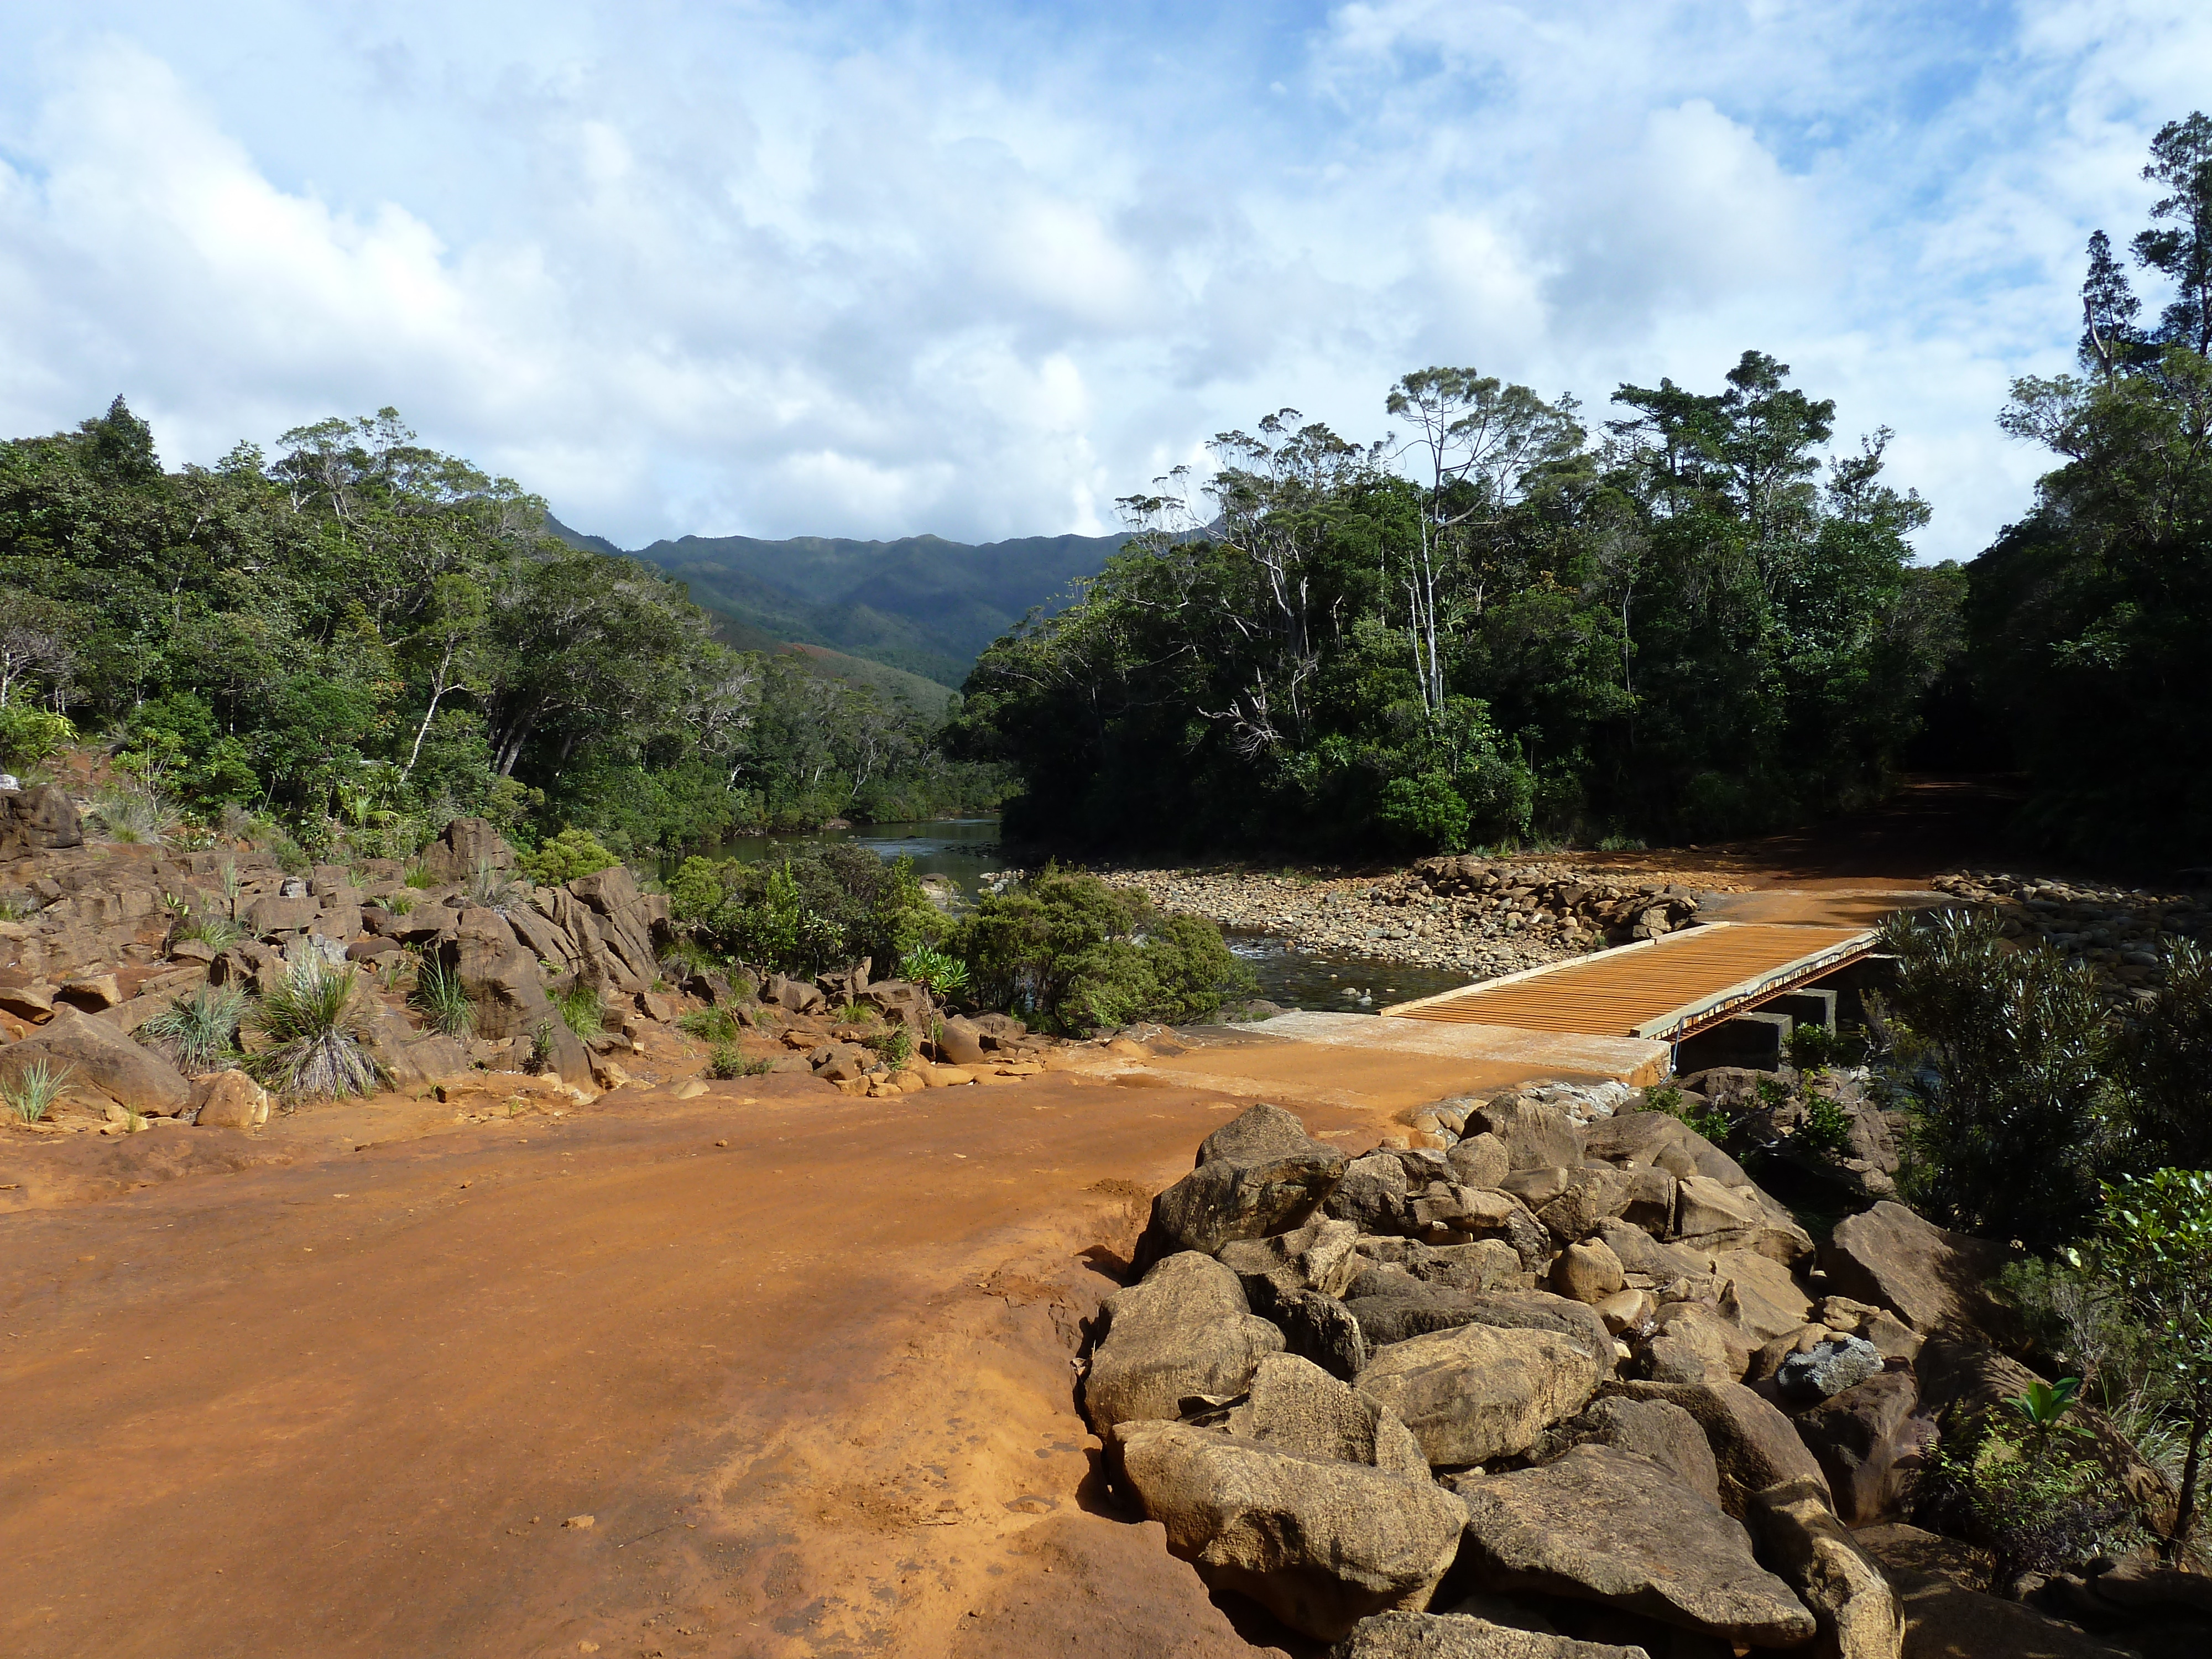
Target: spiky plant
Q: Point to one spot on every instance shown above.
(216, 932)
(493, 888)
(29, 1089)
(200, 1032)
(442, 1000)
(314, 1019)
(135, 818)
(581, 1009)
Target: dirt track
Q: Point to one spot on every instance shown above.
(813, 1387)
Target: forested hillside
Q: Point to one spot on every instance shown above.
(921, 604)
(363, 632)
(1494, 624)
(2091, 616)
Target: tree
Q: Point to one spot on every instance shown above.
(2181, 160)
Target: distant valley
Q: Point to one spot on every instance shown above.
(909, 617)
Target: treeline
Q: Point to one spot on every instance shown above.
(1496, 625)
(2090, 617)
(363, 636)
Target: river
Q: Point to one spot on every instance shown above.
(965, 851)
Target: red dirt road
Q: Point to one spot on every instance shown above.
(813, 1387)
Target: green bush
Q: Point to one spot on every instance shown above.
(571, 853)
(1071, 953)
(1707, 1120)
(941, 973)
(314, 1018)
(1826, 1128)
(200, 1032)
(822, 909)
(728, 1060)
(710, 1024)
(2166, 1064)
(581, 1008)
(2003, 1055)
(2023, 1494)
(1423, 814)
(216, 932)
(31, 737)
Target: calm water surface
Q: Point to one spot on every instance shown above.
(964, 851)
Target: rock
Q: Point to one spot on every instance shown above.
(1692, 1343)
(1588, 1272)
(2140, 1587)
(1371, 1195)
(794, 995)
(1655, 1140)
(462, 847)
(99, 1056)
(1892, 1337)
(1593, 1194)
(1702, 1207)
(1479, 1160)
(1961, 1378)
(43, 819)
(1944, 1620)
(1257, 1174)
(1857, 1612)
(961, 1042)
(1455, 1635)
(227, 1100)
(1430, 1307)
(1754, 1445)
(1477, 1392)
(1930, 1279)
(33, 1003)
(1318, 1256)
(1665, 1433)
(1827, 1368)
(1767, 1303)
(1184, 1331)
(1640, 1252)
(275, 913)
(1295, 1406)
(1319, 1544)
(1606, 1525)
(92, 994)
(1320, 1329)
(1534, 1137)
(1868, 1442)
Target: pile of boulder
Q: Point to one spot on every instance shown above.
(2120, 930)
(1558, 1383)
(1577, 904)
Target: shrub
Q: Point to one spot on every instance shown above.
(314, 1020)
(200, 1033)
(2021, 1493)
(2003, 1055)
(581, 1009)
(832, 906)
(31, 737)
(1707, 1120)
(2166, 1063)
(1814, 1046)
(728, 1060)
(571, 853)
(493, 888)
(541, 1046)
(895, 1045)
(442, 1000)
(939, 972)
(1827, 1127)
(1423, 813)
(28, 1091)
(134, 816)
(216, 932)
(716, 1025)
(420, 875)
(1071, 953)
(2154, 1247)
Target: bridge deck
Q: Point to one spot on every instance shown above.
(1663, 988)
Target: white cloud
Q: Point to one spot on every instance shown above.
(865, 270)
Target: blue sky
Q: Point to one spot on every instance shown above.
(980, 268)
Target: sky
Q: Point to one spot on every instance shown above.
(979, 270)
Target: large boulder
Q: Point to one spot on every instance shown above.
(1318, 1256)
(1184, 1332)
(1459, 1636)
(1478, 1392)
(1428, 1307)
(1659, 1141)
(625, 920)
(1604, 1525)
(1259, 1173)
(1371, 1195)
(227, 1100)
(1534, 1137)
(100, 1058)
(1816, 1556)
(1767, 1301)
(1294, 1405)
(1931, 1278)
(1869, 1441)
(462, 848)
(1321, 1544)
(1320, 1329)
(42, 819)
(1656, 1429)
(1944, 1619)
(1753, 1445)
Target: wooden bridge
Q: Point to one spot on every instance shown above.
(1661, 990)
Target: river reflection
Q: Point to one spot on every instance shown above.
(963, 850)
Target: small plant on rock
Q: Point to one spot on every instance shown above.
(135, 816)
(571, 853)
(1826, 1128)
(419, 875)
(314, 1022)
(728, 1060)
(440, 997)
(216, 932)
(581, 1008)
(896, 1046)
(2032, 1505)
(943, 973)
(29, 1089)
(201, 1032)
(541, 1046)
(493, 888)
(710, 1025)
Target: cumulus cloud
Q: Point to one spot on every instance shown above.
(865, 270)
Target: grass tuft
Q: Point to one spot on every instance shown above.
(581, 1009)
(33, 1088)
(200, 1032)
(442, 1000)
(314, 1020)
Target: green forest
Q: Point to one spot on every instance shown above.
(1504, 621)
(362, 637)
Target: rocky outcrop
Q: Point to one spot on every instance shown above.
(1608, 1526)
(42, 819)
(1932, 1279)
(1458, 1636)
(1293, 1404)
(1810, 1550)
(1259, 1175)
(1478, 1392)
(1320, 1543)
(97, 1056)
(1754, 1447)
(1184, 1333)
